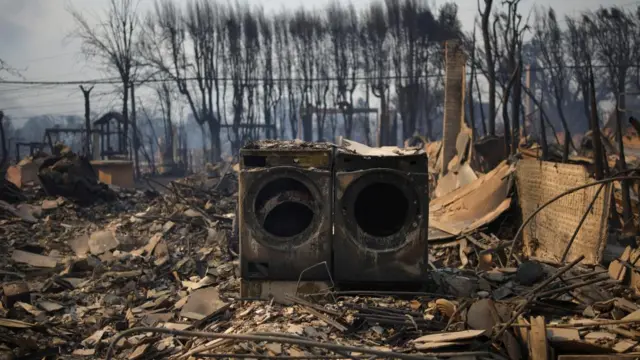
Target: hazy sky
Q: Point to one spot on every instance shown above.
(34, 38)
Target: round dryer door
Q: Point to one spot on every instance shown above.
(380, 208)
(283, 205)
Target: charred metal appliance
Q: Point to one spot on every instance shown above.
(381, 215)
(285, 206)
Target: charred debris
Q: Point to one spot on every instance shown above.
(315, 250)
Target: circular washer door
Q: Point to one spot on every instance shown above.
(284, 206)
(379, 208)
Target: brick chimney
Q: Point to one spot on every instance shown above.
(454, 89)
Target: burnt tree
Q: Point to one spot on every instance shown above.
(374, 33)
(113, 43)
(86, 92)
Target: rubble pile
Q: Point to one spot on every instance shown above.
(73, 276)
(72, 176)
(154, 274)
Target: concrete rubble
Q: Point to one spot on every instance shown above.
(163, 260)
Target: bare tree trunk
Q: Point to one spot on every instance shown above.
(515, 108)
(568, 140)
(595, 129)
(307, 118)
(384, 125)
(472, 119)
(427, 110)
(204, 145)
(491, 71)
(216, 146)
(367, 124)
(507, 125)
(293, 112)
(482, 117)
(87, 120)
(543, 133)
(125, 115)
(627, 215)
(153, 157)
(5, 151)
(136, 144)
(348, 128)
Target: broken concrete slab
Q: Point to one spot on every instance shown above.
(102, 241)
(202, 303)
(29, 213)
(49, 306)
(80, 245)
(32, 259)
(23, 213)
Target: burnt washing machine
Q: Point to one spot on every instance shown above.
(285, 206)
(381, 215)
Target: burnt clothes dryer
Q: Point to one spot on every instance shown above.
(381, 214)
(285, 207)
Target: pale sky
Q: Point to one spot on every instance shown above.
(34, 39)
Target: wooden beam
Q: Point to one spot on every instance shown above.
(538, 339)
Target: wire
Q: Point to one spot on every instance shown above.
(40, 117)
(28, 88)
(115, 81)
(279, 339)
(53, 104)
